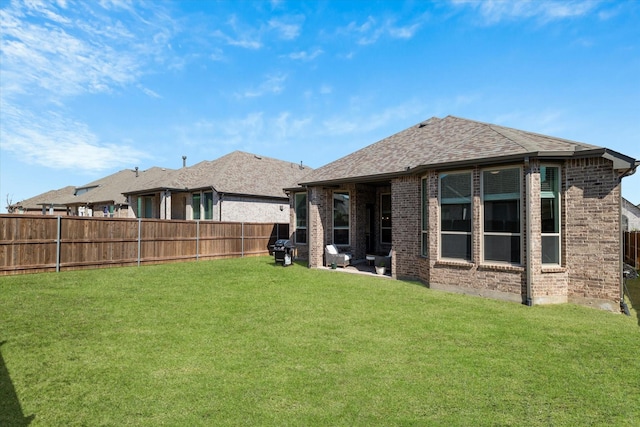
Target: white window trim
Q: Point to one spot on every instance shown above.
(484, 233)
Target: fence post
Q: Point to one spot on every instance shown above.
(58, 243)
(242, 240)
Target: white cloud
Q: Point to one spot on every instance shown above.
(368, 122)
(149, 92)
(372, 29)
(80, 52)
(54, 141)
(244, 41)
(495, 11)
(305, 55)
(273, 84)
(52, 52)
(287, 31)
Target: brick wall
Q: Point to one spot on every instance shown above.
(593, 250)
(406, 228)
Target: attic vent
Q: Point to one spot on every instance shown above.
(257, 157)
(421, 125)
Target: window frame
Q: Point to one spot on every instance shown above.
(460, 201)
(382, 213)
(555, 194)
(299, 227)
(519, 211)
(348, 215)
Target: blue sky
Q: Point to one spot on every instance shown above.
(88, 88)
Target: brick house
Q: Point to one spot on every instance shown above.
(239, 186)
(475, 208)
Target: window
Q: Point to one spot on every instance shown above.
(425, 218)
(301, 217)
(502, 230)
(341, 218)
(550, 213)
(195, 204)
(208, 205)
(385, 218)
(148, 207)
(455, 215)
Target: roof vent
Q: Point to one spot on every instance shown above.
(136, 171)
(184, 161)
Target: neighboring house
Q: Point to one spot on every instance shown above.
(49, 203)
(240, 186)
(630, 216)
(475, 208)
(104, 198)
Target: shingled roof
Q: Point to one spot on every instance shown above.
(50, 198)
(451, 141)
(244, 173)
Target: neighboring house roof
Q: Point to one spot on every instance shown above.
(244, 174)
(54, 198)
(151, 180)
(450, 142)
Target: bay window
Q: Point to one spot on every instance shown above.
(550, 213)
(455, 215)
(501, 195)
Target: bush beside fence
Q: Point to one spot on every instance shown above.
(30, 244)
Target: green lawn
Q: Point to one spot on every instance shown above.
(244, 342)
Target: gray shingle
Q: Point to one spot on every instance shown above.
(437, 142)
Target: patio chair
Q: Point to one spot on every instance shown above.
(332, 255)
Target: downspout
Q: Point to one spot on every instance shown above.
(527, 209)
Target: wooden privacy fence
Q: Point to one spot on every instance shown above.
(632, 248)
(30, 244)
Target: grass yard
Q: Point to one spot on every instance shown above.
(244, 342)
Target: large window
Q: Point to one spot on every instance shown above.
(195, 205)
(550, 213)
(502, 229)
(208, 205)
(425, 218)
(341, 218)
(385, 218)
(455, 215)
(301, 217)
